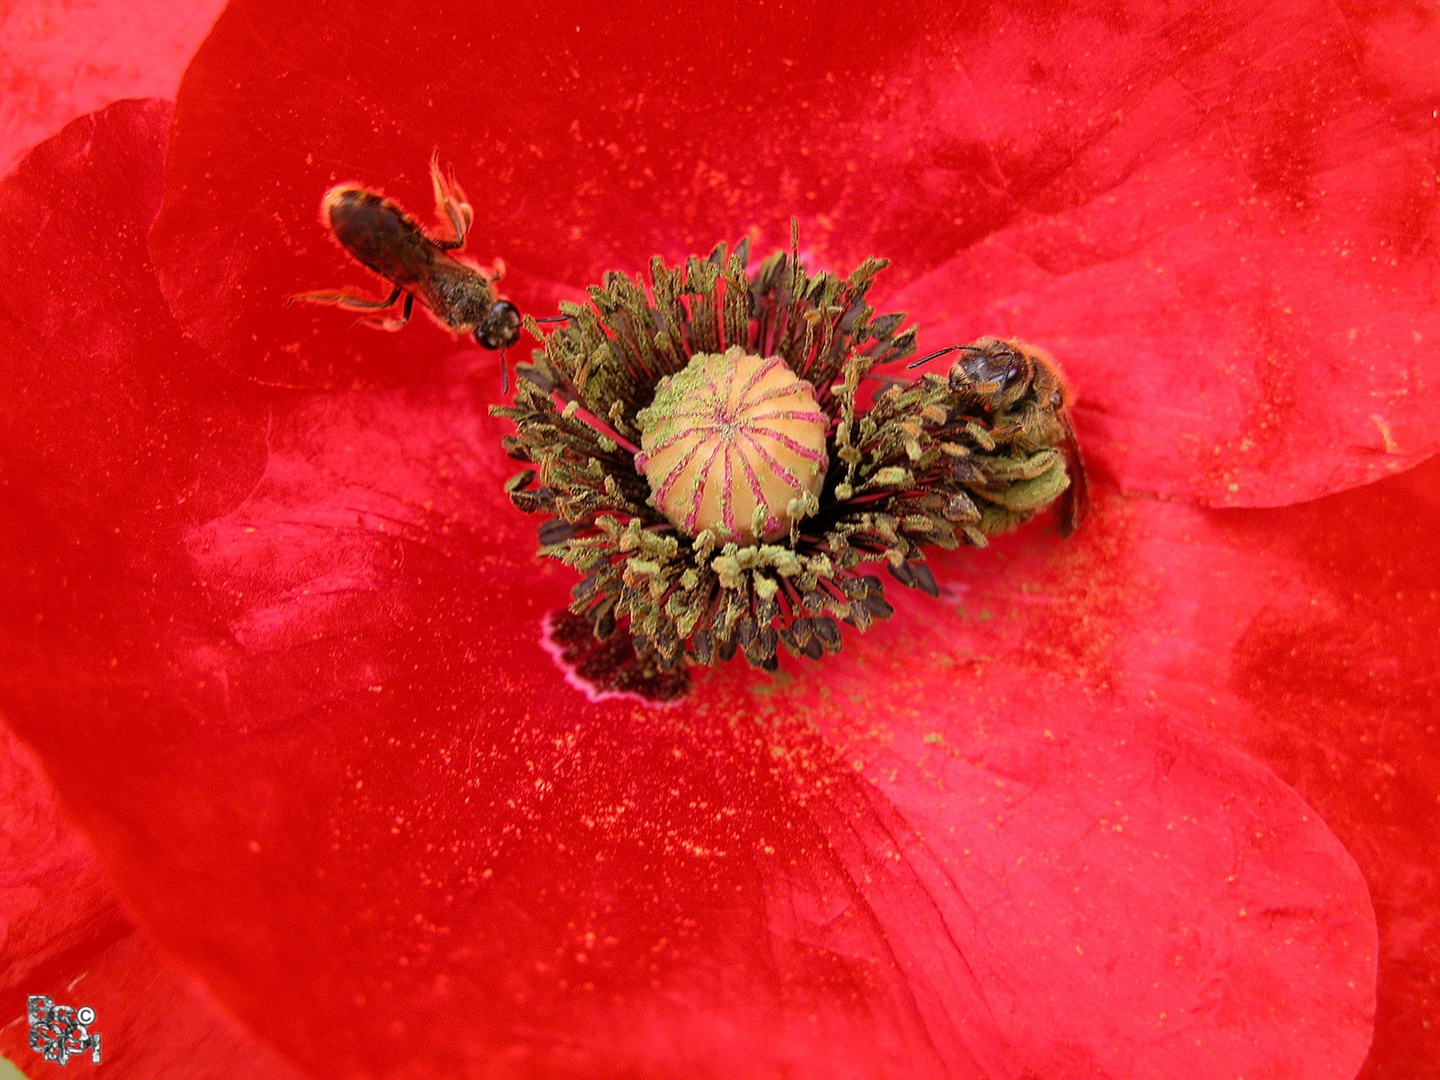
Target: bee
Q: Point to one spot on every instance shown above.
(378, 233)
(1031, 394)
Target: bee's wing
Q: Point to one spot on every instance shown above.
(1075, 502)
(426, 287)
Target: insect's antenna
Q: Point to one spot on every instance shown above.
(941, 352)
(555, 318)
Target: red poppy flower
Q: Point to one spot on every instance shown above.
(274, 630)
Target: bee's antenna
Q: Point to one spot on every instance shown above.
(942, 352)
(555, 318)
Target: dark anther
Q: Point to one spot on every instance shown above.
(903, 574)
(788, 639)
(701, 644)
(667, 642)
(885, 325)
(967, 471)
(924, 579)
(769, 642)
(960, 507)
(532, 374)
(848, 320)
(612, 665)
(827, 633)
(745, 631)
(520, 481)
(555, 531)
(879, 607)
(585, 587)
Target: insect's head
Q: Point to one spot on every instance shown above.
(501, 327)
(993, 361)
(988, 360)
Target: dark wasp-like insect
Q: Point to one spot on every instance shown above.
(1022, 384)
(460, 295)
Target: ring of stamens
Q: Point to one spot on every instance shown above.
(665, 547)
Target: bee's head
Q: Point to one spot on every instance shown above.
(991, 360)
(501, 327)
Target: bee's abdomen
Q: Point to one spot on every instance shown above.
(378, 233)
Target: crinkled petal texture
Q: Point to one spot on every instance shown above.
(1222, 218)
(279, 651)
(65, 936)
(59, 60)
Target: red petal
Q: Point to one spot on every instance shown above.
(57, 911)
(1134, 900)
(1304, 635)
(613, 862)
(63, 60)
(1220, 223)
(109, 412)
(152, 1022)
(316, 740)
(66, 937)
(1340, 678)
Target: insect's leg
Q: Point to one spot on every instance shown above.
(385, 322)
(450, 205)
(342, 298)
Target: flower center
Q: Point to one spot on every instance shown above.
(708, 463)
(734, 444)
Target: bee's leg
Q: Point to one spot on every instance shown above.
(341, 298)
(385, 322)
(450, 205)
(495, 271)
